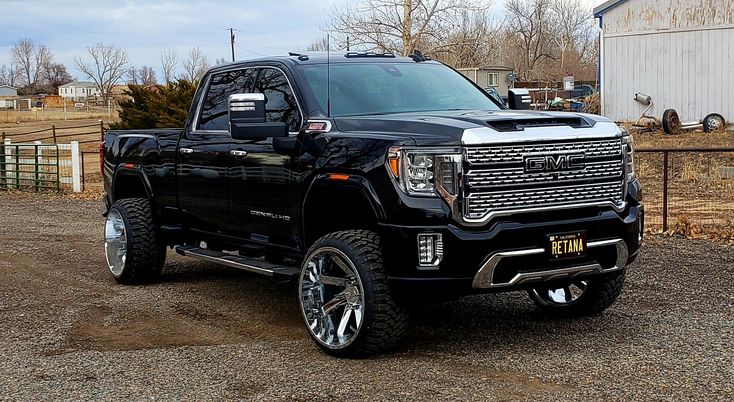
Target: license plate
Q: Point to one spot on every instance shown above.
(566, 245)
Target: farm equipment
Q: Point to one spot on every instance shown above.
(672, 124)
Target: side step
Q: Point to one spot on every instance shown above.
(279, 272)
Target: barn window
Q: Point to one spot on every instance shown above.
(493, 79)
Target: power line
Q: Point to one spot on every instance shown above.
(251, 51)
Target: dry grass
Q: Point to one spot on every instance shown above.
(8, 118)
(658, 139)
(700, 201)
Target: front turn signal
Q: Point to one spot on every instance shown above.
(393, 162)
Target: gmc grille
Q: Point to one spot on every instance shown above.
(497, 178)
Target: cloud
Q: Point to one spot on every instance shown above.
(147, 28)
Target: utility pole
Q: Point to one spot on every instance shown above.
(231, 40)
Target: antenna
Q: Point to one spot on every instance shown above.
(328, 75)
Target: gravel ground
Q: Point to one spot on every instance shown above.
(67, 331)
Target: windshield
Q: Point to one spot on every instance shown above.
(383, 88)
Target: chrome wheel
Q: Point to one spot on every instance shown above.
(713, 122)
(115, 246)
(332, 297)
(560, 296)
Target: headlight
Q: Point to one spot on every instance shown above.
(628, 151)
(425, 172)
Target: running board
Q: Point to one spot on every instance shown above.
(279, 272)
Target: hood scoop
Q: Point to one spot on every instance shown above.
(522, 123)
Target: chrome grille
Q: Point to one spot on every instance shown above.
(515, 153)
(480, 204)
(517, 176)
(496, 180)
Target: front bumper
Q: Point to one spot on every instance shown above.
(510, 254)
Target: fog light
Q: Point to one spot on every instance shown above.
(430, 249)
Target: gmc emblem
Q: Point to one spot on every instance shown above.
(551, 163)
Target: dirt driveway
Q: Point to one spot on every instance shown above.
(67, 331)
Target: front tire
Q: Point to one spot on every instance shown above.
(580, 298)
(346, 301)
(133, 249)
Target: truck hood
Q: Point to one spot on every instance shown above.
(480, 127)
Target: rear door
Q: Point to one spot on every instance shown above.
(204, 157)
(264, 195)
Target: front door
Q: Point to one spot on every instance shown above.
(204, 154)
(264, 200)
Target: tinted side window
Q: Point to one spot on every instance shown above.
(280, 103)
(214, 110)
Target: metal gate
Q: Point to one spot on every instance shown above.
(32, 166)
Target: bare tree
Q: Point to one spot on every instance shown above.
(571, 21)
(8, 75)
(132, 76)
(529, 31)
(147, 76)
(107, 66)
(221, 61)
(471, 41)
(56, 75)
(31, 61)
(169, 62)
(144, 75)
(195, 65)
(320, 45)
(400, 26)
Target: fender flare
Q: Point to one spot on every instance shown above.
(355, 182)
(129, 169)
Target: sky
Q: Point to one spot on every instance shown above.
(146, 28)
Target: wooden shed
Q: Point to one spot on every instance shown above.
(498, 77)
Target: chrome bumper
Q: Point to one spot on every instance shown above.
(484, 278)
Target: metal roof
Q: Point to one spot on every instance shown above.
(606, 6)
(83, 84)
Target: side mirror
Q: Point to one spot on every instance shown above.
(247, 118)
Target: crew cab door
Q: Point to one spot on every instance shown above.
(264, 196)
(204, 154)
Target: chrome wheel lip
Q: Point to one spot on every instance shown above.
(115, 247)
(558, 296)
(323, 339)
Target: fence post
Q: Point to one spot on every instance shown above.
(38, 161)
(83, 175)
(2, 159)
(53, 131)
(8, 162)
(101, 130)
(75, 167)
(665, 191)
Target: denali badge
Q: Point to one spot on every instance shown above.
(270, 215)
(550, 163)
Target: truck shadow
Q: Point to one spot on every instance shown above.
(501, 321)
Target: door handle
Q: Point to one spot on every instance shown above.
(240, 154)
(186, 150)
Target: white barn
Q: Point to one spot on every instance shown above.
(679, 52)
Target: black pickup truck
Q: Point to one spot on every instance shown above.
(374, 183)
